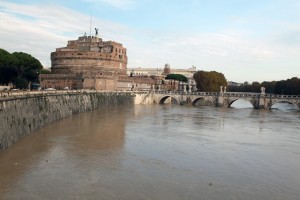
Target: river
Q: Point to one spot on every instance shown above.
(158, 152)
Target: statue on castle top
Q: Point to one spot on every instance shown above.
(96, 30)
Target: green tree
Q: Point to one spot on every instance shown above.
(45, 71)
(8, 70)
(19, 68)
(7, 59)
(287, 87)
(178, 77)
(8, 74)
(292, 86)
(28, 66)
(209, 81)
(21, 83)
(270, 86)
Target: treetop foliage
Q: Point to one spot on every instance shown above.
(209, 81)
(178, 77)
(18, 68)
(45, 71)
(286, 87)
(7, 59)
(27, 61)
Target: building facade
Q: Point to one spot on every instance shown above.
(91, 63)
(139, 71)
(89, 55)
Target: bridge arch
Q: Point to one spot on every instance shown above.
(236, 99)
(285, 101)
(205, 99)
(164, 98)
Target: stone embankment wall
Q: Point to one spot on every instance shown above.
(24, 112)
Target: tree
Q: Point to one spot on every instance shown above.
(8, 70)
(8, 74)
(18, 68)
(28, 66)
(270, 86)
(178, 77)
(255, 87)
(7, 59)
(286, 87)
(45, 71)
(209, 81)
(21, 83)
(292, 86)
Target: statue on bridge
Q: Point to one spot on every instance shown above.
(221, 89)
(262, 90)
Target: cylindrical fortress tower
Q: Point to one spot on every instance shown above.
(89, 55)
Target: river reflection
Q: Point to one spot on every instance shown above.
(158, 152)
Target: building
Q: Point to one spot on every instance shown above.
(161, 73)
(91, 63)
(89, 55)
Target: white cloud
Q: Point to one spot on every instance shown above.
(234, 53)
(39, 29)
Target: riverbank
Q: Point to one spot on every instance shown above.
(22, 113)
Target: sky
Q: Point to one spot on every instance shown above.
(246, 40)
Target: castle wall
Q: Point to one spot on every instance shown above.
(60, 81)
(98, 83)
(70, 62)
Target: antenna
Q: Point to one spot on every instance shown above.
(91, 24)
(91, 31)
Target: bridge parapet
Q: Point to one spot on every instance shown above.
(9, 95)
(225, 99)
(283, 96)
(187, 93)
(242, 94)
(221, 99)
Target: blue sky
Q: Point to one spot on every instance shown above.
(247, 40)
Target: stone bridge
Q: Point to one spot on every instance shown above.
(224, 99)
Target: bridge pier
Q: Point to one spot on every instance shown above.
(220, 101)
(262, 103)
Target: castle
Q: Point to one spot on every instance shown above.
(90, 55)
(91, 63)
